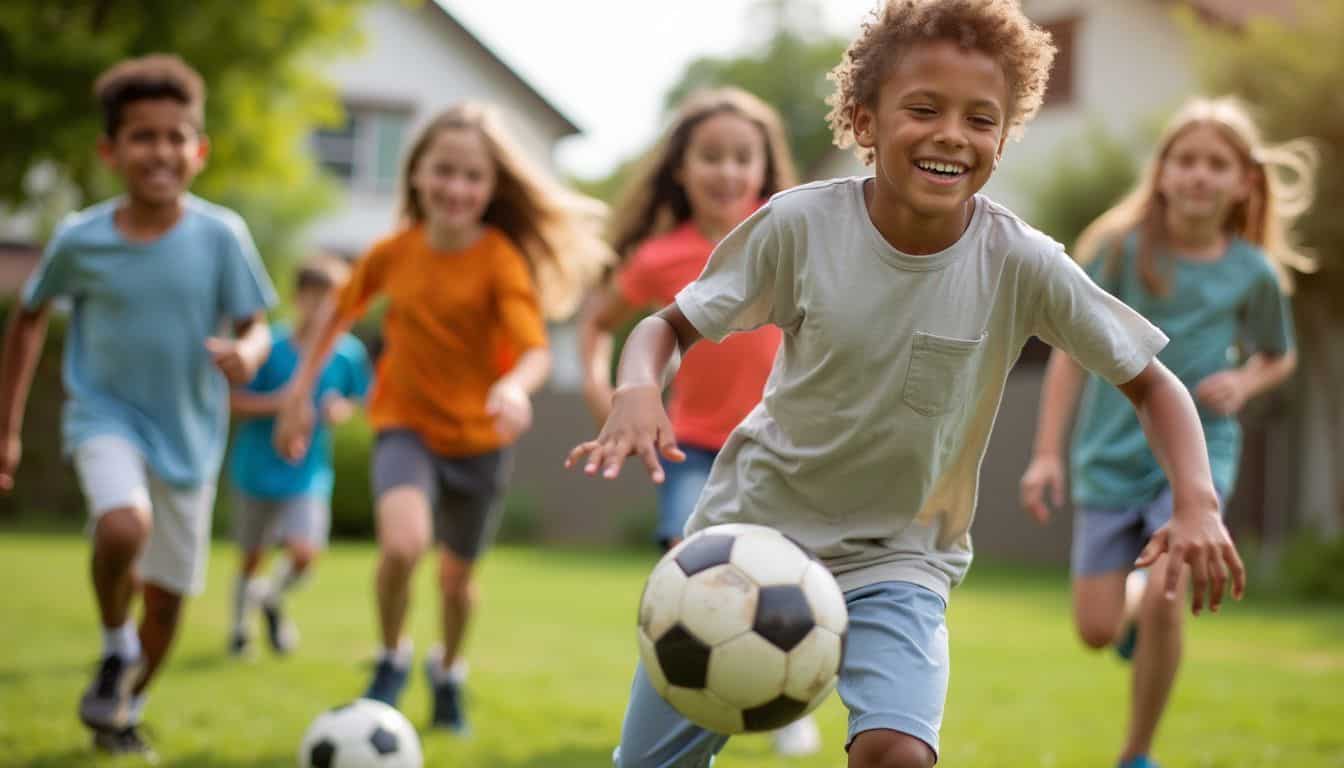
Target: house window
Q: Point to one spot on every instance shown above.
(364, 152)
(1060, 91)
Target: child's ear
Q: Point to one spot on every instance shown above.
(202, 149)
(998, 153)
(864, 124)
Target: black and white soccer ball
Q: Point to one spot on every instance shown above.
(362, 734)
(741, 630)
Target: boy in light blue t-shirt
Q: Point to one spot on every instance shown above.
(277, 501)
(168, 301)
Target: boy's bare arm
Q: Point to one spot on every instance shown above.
(239, 358)
(1196, 535)
(255, 405)
(638, 425)
(24, 334)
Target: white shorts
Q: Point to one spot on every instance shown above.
(113, 474)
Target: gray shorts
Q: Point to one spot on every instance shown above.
(1109, 539)
(259, 522)
(464, 492)
(113, 474)
(894, 676)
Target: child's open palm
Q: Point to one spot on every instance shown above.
(638, 426)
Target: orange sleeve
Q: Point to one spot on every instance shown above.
(519, 310)
(366, 281)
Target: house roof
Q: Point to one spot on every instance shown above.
(570, 126)
(1237, 12)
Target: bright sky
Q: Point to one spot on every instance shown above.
(608, 63)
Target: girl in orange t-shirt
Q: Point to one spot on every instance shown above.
(722, 156)
(487, 246)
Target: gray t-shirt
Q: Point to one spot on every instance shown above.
(867, 445)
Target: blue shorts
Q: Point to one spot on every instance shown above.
(680, 490)
(1109, 539)
(894, 676)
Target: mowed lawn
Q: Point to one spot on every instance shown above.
(552, 653)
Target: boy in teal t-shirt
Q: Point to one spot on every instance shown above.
(153, 279)
(276, 501)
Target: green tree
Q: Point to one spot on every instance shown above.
(1292, 72)
(787, 68)
(264, 96)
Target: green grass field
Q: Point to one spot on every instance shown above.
(552, 653)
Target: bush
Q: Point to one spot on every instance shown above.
(1313, 567)
(1092, 172)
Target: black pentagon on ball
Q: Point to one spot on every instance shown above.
(383, 741)
(783, 616)
(322, 755)
(705, 552)
(773, 715)
(683, 658)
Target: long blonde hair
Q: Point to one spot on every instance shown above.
(558, 231)
(654, 201)
(1282, 189)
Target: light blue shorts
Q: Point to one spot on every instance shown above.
(894, 676)
(680, 490)
(1109, 539)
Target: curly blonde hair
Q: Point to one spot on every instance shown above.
(997, 28)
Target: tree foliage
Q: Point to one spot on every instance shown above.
(258, 58)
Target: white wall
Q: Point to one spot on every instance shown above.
(416, 58)
(1131, 65)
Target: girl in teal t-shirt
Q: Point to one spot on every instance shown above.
(1200, 247)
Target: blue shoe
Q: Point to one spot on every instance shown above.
(450, 712)
(1141, 761)
(389, 680)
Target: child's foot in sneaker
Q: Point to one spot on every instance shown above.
(105, 704)
(449, 712)
(125, 741)
(280, 630)
(389, 680)
(1140, 761)
(240, 645)
(799, 738)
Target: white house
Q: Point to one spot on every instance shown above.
(1120, 62)
(417, 60)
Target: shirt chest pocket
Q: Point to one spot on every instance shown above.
(940, 367)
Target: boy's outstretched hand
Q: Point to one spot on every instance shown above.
(1202, 541)
(637, 426)
(233, 359)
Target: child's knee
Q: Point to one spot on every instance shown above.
(122, 531)
(1096, 634)
(889, 749)
(402, 554)
(455, 578)
(301, 555)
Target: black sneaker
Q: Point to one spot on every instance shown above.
(389, 680)
(125, 741)
(240, 645)
(450, 711)
(106, 703)
(280, 631)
